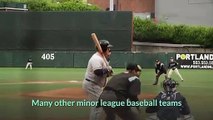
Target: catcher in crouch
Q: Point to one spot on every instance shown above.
(176, 107)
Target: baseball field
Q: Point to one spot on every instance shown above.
(52, 93)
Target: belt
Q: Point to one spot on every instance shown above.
(91, 81)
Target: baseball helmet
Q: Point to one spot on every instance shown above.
(169, 84)
(105, 44)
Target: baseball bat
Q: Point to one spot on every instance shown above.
(97, 43)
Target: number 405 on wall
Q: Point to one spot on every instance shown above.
(48, 56)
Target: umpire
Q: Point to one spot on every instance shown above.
(121, 87)
(159, 70)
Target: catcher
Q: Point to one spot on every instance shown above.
(181, 111)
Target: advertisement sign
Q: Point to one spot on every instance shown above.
(195, 60)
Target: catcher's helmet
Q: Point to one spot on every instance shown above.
(169, 85)
(105, 44)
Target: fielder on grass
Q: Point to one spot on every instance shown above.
(172, 67)
(29, 63)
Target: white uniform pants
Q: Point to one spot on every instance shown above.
(176, 71)
(93, 92)
(29, 64)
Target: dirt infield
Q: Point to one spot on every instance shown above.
(71, 93)
(66, 93)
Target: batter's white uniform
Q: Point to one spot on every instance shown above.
(93, 84)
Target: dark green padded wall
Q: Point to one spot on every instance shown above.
(77, 59)
(64, 30)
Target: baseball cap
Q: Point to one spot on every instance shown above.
(133, 66)
(157, 60)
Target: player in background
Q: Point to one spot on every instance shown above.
(172, 67)
(96, 77)
(176, 107)
(121, 87)
(29, 63)
(159, 70)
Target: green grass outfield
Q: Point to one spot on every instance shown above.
(197, 88)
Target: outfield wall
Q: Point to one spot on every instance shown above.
(76, 59)
(63, 39)
(64, 30)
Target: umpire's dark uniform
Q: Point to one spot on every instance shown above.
(120, 88)
(159, 69)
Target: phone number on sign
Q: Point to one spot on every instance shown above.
(202, 62)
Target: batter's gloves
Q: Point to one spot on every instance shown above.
(110, 71)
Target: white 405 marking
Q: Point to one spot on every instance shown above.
(48, 56)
